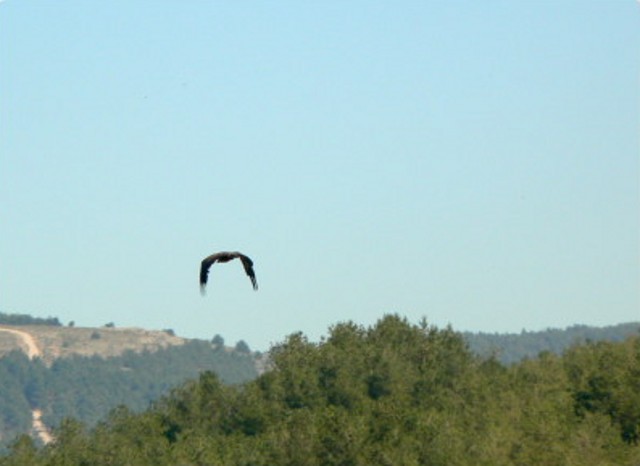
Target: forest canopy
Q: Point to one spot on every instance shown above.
(393, 393)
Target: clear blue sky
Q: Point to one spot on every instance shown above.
(476, 163)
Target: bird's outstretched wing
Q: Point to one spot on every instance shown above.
(207, 262)
(248, 268)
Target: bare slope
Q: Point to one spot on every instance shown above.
(28, 343)
(50, 342)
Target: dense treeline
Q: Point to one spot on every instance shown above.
(392, 394)
(25, 319)
(514, 347)
(87, 388)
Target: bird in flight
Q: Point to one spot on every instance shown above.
(222, 257)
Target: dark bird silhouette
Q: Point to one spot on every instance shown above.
(225, 256)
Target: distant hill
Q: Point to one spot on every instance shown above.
(57, 341)
(510, 348)
(57, 372)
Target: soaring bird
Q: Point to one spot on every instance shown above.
(225, 256)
